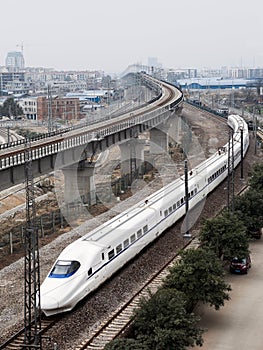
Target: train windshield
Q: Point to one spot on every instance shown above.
(64, 269)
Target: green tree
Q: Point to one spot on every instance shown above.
(249, 209)
(200, 275)
(162, 322)
(11, 108)
(256, 179)
(225, 235)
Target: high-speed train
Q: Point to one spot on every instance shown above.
(89, 261)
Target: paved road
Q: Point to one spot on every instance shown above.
(239, 324)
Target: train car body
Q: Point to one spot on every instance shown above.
(89, 261)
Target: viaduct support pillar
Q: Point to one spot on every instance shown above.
(132, 156)
(79, 183)
(159, 139)
(175, 127)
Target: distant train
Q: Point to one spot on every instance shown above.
(222, 111)
(92, 259)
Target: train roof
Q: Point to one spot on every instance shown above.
(70, 254)
(114, 227)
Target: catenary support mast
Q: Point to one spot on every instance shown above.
(32, 321)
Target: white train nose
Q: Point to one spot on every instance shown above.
(48, 303)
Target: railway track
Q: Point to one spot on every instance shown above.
(115, 325)
(17, 340)
(170, 95)
(211, 115)
(8, 136)
(121, 319)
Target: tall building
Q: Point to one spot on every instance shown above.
(15, 61)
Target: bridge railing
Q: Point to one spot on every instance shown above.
(68, 142)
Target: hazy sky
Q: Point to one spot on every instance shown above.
(110, 35)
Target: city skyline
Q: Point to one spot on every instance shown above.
(110, 36)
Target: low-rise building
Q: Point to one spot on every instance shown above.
(64, 108)
(29, 106)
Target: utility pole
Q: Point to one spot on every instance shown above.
(187, 233)
(49, 97)
(133, 165)
(32, 321)
(233, 174)
(230, 177)
(8, 135)
(255, 128)
(242, 154)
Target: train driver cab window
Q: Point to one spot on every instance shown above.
(90, 272)
(64, 269)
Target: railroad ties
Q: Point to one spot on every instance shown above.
(17, 341)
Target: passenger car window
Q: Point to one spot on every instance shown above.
(139, 233)
(119, 248)
(111, 254)
(126, 243)
(132, 238)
